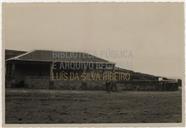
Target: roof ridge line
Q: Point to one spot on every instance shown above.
(16, 57)
(60, 51)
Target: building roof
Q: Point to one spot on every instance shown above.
(58, 56)
(12, 53)
(123, 70)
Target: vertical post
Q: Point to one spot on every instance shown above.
(13, 70)
(51, 71)
(113, 71)
(103, 71)
(12, 75)
(51, 82)
(113, 68)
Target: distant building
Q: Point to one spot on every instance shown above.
(45, 69)
(36, 68)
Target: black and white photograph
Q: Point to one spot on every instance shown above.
(93, 63)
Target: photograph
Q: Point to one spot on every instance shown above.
(93, 63)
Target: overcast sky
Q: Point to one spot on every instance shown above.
(144, 37)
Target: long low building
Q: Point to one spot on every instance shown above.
(47, 69)
(41, 68)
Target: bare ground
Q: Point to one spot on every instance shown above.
(50, 106)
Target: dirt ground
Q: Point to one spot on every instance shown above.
(49, 106)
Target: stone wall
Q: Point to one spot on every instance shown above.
(78, 85)
(45, 83)
(148, 86)
(37, 83)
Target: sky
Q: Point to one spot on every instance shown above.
(144, 37)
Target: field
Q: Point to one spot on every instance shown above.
(55, 106)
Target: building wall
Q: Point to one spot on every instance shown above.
(37, 83)
(37, 76)
(148, 86)
(28, 75)
(79, 85)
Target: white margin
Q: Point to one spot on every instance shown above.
(65, 1)
(1, 68)
(52, 1)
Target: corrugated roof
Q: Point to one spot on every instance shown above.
(59, 56)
